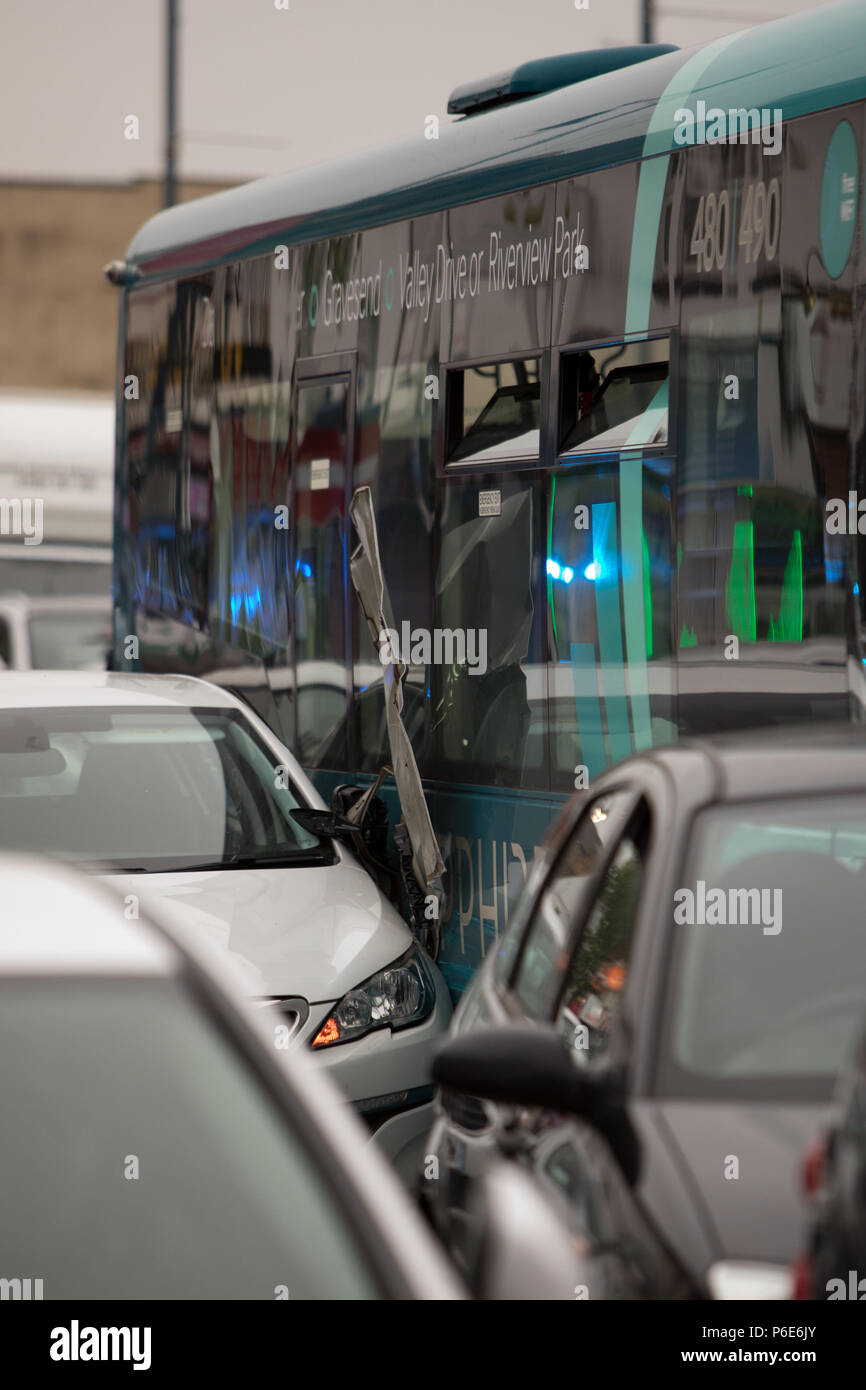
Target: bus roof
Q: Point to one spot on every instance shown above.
(807, 62)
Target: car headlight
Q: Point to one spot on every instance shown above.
(749, 1279)
(397, 997)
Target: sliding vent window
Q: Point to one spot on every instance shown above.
(615, 397)
(494, 412)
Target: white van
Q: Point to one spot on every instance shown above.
(57, 467)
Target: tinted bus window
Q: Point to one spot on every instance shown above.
(764, 404)
(394, 456)
(487, 688)
(320, 466)
(494, 412)
(615, 397)
(169, 354)
(609, 575)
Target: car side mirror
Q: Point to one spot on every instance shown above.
(337, 823)
(528, 1065)
(325, 824)
(358, 818)
(515, 1064)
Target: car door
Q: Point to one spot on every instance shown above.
(522, 980)
(573, 971)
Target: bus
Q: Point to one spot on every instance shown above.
(597, 348)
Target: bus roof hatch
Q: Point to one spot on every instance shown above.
(540, 75)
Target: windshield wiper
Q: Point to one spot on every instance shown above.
(285, 860)
(300, 859)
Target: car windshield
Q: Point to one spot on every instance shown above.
(70, 641)
(768, 991)
(148, 789)
(128, 1101)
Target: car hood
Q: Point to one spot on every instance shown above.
(759, 1214)
(314, 932)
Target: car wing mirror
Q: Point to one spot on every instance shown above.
(515, 1065)
(349, 809)
(359, 819)
(529, 1065)
(325, 824)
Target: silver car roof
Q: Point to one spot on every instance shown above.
(25, 689)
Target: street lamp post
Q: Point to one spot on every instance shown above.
(170, 103)
(646, 21)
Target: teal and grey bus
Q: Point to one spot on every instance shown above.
(597, 348)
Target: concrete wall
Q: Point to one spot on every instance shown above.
(58, 313)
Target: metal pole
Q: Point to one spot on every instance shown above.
(170, 103)
(646, 21)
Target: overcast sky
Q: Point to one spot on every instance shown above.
(263, 90)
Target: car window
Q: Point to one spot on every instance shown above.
(547, 945)
(767, 990)
(143, 1158)
(596, 978)
(147, 789)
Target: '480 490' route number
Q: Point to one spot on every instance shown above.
(760, 223)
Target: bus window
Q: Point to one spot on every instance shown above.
(614, 397)
(494, 412)
(609, 572)
(487, 685)
(168, 451)
(394, 457)
(320, 464)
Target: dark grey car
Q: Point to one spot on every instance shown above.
(659, 1031)
(834, 1173)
